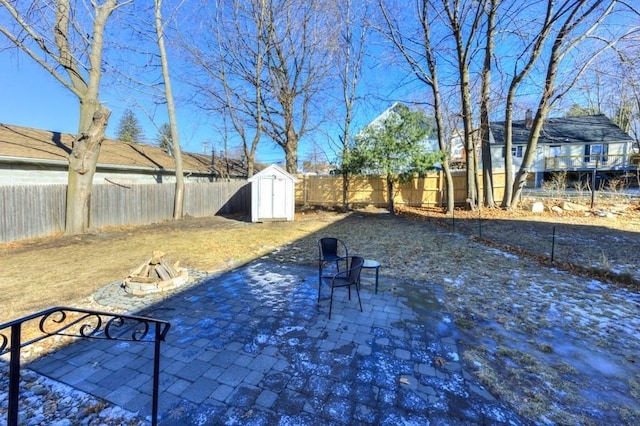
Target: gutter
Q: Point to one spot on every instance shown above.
(102, 166)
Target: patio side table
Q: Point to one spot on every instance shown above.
(372, 264)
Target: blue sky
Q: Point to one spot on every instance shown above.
(33, 98)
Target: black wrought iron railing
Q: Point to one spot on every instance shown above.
(78, 323)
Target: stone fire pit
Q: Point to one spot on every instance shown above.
(156, 275)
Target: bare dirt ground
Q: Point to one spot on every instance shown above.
(558, 340)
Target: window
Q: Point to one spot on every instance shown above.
(595, 152)
(516, 151)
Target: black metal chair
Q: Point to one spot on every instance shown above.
(331, 250)
(347, 278)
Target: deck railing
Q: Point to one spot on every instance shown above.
(588, 162)
(79, 323)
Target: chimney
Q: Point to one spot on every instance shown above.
(528, 119)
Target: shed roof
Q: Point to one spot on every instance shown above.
(26, 144)
(584, 129)
(273, 169)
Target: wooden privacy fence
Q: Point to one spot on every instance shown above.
(35, 211)
(372, 190)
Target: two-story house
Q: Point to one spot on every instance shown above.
(579, 145)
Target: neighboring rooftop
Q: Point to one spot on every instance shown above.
(581, 129)
(22, 143)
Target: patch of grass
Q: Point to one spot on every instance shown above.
(546, 348)
(629, 415)
(565, 368)
(516, 355)
(464, 323)
(68, 270)
(95, 408)
(634, 386)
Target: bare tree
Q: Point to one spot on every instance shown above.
(350, 58)
(464, 18)
(612, 86)
(522, 66)
(418, 52)
(178, 203)
(66, 39)
(491, 13)
(301, 42)
(229, 57)
(577, 20)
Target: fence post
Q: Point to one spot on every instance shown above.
(304, 190)
(440, 191)
(553, 243)
(593, 183)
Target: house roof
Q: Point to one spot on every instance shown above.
(32, 145)
(581, 129)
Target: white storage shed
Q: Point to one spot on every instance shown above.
(272, 195)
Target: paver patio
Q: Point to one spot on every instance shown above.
(253, 346)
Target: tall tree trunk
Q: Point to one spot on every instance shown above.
(291, 149)
(434, 83)
(350, 63)
(291, 159)
(476, 179)
(448, 179)
(462, 57)
(518, 77)
(487, 169)
(250, 164)
(345, 153)
(437, 106)
(82, 167)
(390, 194)
(345, 190)
(485, 99)
(467, 121)
(178, 201)
(93, 116)
(508, 158)
(530, 152)
(472, 195)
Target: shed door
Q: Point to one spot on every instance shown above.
(272, 201)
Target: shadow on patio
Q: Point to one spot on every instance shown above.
(253, 346)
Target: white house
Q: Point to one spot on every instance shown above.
(579, 145)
